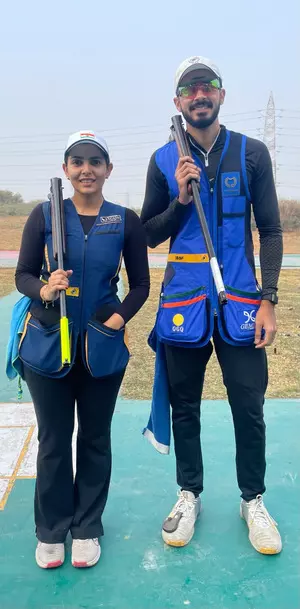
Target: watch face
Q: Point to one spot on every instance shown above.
(271, 297)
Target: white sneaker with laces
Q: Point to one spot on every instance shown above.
(49, 555)
(179, 527)
(85, 552)
(263, 532)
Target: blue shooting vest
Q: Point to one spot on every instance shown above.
(96, 261)
(189, 302)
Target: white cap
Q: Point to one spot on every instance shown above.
(196, 63)
(87, 136)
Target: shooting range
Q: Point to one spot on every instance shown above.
(111, 67)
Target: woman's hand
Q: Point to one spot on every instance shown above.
(115, 322)
(58, 280)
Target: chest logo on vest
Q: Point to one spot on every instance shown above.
(116, 219)
(231, 184)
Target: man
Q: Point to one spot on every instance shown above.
(235, 174)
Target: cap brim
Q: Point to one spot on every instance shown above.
(198, 67)
(88, 141)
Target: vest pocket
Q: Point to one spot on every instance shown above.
(106, 351)
(238, 316)
(234, 209)
(40, 347)
(183, 318)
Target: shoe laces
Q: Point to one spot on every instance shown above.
(82, 542)
(52, 548)
(259, 513)
(183, 505)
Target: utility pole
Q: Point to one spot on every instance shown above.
(270, 133)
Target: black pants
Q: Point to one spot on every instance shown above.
(62, 503)
(245, 377)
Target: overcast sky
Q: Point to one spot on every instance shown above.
(109, 66)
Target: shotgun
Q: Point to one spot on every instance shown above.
(59, 251)
(181, 140)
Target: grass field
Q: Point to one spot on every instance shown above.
(11, 228)
(7, 281)
(11, 232)
(284, 355)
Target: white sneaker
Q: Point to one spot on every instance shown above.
(178, 528)
(49, 555)
(263, 532)
(85, 552)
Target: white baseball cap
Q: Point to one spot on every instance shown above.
(87, 137)
(196, 63)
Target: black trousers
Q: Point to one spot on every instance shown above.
(62, 503)
(245, 376)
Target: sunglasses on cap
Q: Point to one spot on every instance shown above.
(189, 91)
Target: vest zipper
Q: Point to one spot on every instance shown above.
(82, 339)
(205, 154)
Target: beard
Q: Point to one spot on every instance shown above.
(201, 122)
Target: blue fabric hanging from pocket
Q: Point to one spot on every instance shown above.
(14, 365)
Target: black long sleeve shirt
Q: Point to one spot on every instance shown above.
(162, 218)
(135, 258)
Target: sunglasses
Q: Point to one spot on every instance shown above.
(207, 88)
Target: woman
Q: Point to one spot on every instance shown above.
(98, 234)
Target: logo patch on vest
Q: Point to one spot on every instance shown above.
(178, 321)
(231, 184)
(249, 323)
(72, 292)
(110, 219)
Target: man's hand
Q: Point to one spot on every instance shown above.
(265, 320)
(186, 170)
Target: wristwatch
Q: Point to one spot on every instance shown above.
(271, 296)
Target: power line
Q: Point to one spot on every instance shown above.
(43, 180)
(251, 118)
(288, 128)
(287, 134)
(287, 110)
(115, 129)
(290, 166)
(289, 185)
(59, 151)
(61, 140)
(67, 133)
(57, 166)
(151, 128)
(234, 114)
(294, 118)
(288, 148)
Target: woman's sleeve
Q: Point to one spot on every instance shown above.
(136, 264)
(31, 255)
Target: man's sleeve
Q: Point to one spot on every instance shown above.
(160, 217)
(267, 218)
